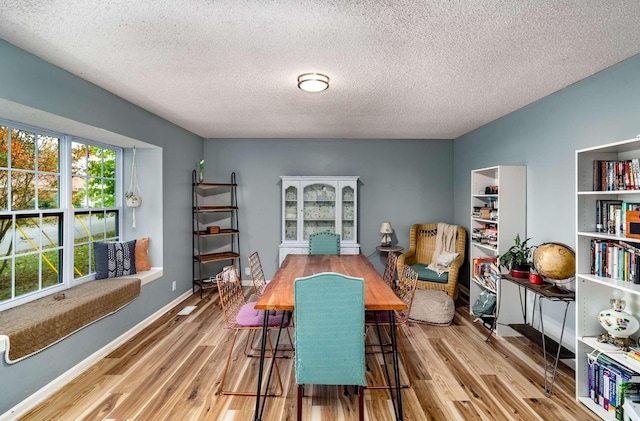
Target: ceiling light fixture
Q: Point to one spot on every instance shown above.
(313, 82)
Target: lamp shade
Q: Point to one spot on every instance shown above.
(313, 82)
(386, 228)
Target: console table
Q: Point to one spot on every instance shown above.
(555, 349)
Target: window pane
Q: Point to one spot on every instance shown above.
(95, 161)
(4, 146)
(95, 192)
(23, 150)
(78, 159)
(27, 235)
(48, 197)
(79, 192)
(81, 259)
(81, 231)
(27, 270)
(109, 192)
(109, 163)
(111, 223)
(97, 226)
(23, 190)
(4, 191)
(48, 153)
(51, 268)
(51, 231)
(5, 279)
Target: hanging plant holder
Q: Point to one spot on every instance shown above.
(132, 196)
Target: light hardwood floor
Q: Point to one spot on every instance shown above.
(172, 369)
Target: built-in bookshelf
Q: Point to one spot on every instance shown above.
(606, 177)
(498, 214)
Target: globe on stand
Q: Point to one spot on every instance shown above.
(555, 261)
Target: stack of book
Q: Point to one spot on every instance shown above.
(611, 383)
(616, 175)
(611, 215)
(615, 259)
(486, 272)
(486, 234)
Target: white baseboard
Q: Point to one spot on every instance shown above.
(66, 377)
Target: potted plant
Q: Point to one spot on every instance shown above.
(133, 200)
(518, 258)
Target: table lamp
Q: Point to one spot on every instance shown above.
(618, 324)
(386, 231)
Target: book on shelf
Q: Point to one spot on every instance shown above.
(610, 383)
(486, 272)
(615, 259)
(616, 175)
(606, 215)
(611, 215)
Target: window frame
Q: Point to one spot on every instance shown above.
(66, 210)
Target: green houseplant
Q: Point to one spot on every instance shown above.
(518, 258)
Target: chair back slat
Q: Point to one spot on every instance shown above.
(406, 291)
(231, 294)
(390, 269)
(257, 274)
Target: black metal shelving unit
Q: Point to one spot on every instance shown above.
(214, 203)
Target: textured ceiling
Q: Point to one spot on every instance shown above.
(398, 69)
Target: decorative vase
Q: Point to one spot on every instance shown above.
(535, 278)
(618, 323)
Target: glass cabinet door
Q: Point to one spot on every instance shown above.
(318, 209)
(348, 214)
(291, 214)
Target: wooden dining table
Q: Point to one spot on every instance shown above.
(378, 297)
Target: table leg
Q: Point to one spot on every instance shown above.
(549, 389)
(263, 345)
(384, 360)
(259, 410)
(394, 350)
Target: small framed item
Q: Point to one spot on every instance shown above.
(214, 229)
(633, 224)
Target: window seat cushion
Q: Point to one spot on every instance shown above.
(36, 325)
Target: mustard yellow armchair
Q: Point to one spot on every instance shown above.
(422, 244)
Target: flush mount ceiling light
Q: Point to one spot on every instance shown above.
(313, 82)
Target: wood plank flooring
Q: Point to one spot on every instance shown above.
(172, 370)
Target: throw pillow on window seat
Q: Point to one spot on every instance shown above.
(142, 254)
(115, 259)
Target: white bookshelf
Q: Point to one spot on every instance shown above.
(511, 220)
(594, 292)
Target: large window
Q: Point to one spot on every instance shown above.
(57, 196)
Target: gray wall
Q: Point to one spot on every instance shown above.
(28, 81)
(402, 181)
(544, 136)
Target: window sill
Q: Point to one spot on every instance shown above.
(150, 275)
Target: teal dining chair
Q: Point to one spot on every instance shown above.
(329, 334)
(324, 243)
